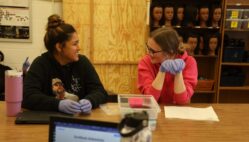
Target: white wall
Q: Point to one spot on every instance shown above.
(16, 52)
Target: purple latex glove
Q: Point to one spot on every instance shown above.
(69, 106)
(86, 106)
(172, 66)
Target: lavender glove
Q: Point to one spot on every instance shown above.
(172, 66)
(86, 106)
(69, 106)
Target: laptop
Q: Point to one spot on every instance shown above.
(37, 117)
(65, 129)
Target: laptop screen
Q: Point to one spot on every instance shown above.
(64, 129)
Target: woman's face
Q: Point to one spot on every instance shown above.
(217, 14)
(158, 56)
(69, 52)
(169, 13)
(157, 13)
(213, 42)
(180, 13)
(204, 14)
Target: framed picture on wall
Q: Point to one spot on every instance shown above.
(15, 20)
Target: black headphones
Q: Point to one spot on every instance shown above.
(1, 56)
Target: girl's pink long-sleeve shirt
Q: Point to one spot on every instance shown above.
(147, 73)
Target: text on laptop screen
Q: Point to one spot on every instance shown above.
(71, 132)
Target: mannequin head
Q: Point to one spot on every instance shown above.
(212, 45)
(190, 16)
(203, 16)
(216, 16)
(156, 11)
(193, 42)
(168, 14)
(179, 15)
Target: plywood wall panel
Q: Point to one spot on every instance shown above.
(77, 13)
(112, 34)
(119, 29)
(118, 78)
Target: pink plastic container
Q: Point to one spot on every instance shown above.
(13, 92)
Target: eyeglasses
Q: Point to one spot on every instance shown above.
(152, 51)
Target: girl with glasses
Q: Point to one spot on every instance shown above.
(167, 72)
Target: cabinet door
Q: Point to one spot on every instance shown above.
(234, 76)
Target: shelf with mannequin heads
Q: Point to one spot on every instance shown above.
(187, 17)
(184, 15)
(200, 44)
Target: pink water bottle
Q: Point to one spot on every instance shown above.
(13, 92)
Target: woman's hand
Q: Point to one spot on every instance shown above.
(172, 66)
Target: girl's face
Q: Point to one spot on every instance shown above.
(217, 14)
(180, 13)
(69, 52)
(157, 13)
(169, 13)
(204, 14)
(156, 53)
(213, 42)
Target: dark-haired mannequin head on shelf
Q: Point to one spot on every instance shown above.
(212, 45)
(179, 16)
(168, 15)
(192, 40)
(215, 16)
(190, 16)
(203, 16)
(156, 15)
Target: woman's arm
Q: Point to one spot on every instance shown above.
(95, 91)
(179, 85)
(150, 81)
(159, 80)
(185, 82)
(35, 88)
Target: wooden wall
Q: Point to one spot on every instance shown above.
(113, 35)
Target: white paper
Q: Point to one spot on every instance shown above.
(191, 113)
